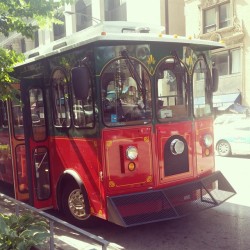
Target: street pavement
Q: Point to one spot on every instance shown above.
(226, 227)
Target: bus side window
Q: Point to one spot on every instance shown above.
(3, 115)
(42, 173)
(60, 93)
(17, 117)
(21, 168)
(84, 109)
(84, 112)
(37, 114)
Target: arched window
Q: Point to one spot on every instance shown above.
(126, 93)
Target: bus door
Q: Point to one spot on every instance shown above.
(16, 135)
(36, 141)
(174, 129)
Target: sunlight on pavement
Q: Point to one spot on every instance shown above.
(81, 245)
(237, 173)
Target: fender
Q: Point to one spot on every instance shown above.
(70, 175)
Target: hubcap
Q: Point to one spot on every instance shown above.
(77, 205)
(223, 148)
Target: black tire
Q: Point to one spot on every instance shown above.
(224, 148)
(75, 206)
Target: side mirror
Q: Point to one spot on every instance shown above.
(80, 80)
(215, 79)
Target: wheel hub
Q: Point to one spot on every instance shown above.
(77, 205)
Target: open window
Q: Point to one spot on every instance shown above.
(171, 78)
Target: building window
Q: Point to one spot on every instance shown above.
(235, 66)
(217, 17)
(36, 39)
(228, 62)
(23, 45)
(83, 14)
(115, 10)
(59, 29)
(224, 15)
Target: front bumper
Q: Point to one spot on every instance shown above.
(170, 203)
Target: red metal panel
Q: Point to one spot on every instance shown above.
(84, 157)
(205, 163)
(119, 178)
(166, 131)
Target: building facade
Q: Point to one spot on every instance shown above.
(225, 21)
(85, 13)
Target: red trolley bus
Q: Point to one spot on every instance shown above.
(114, 125)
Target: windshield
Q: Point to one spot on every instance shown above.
(201, 91)
(171, 90)
(124, 102)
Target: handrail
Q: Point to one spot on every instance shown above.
(53, 219)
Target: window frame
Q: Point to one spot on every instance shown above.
(228, 52)
(179, 108)
(115, 10)
(62, 117)
(217, 24)
(59, 30)
(83, 15)
(114, 112)
(201, 95)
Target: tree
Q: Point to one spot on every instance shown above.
(24, 17)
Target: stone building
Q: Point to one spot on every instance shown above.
(226, 21)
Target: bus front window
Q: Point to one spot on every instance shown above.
(171, 90)
(124, 101)
(202, 94)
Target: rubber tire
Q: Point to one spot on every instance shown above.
(224, 148)
(86, 221)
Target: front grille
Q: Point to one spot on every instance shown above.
(170, 203)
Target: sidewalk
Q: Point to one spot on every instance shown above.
(64, 238)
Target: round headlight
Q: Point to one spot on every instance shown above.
(208, 140)
(131, 153)
(177, 147)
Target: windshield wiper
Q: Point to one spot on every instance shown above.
(139, 82)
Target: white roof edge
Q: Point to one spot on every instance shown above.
(113, 32)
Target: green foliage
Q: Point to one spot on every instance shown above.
(19, 15)
(24, 17)
(22, 232)
(8, 58)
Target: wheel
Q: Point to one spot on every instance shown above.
(224, 148)
(75, 206)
